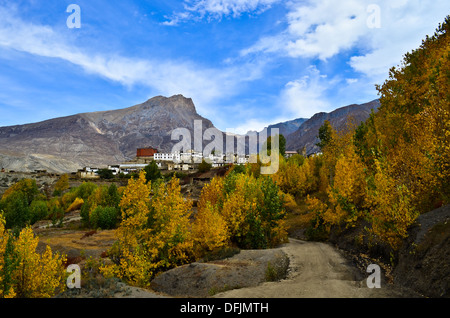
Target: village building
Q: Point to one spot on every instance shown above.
(290, 153)
(88, 173)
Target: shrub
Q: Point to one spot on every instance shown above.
(104, 217)
(76, 204)
(204, 166)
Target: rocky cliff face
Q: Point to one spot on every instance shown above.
(96, 139)
(306, 135)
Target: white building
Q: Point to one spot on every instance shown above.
(131, 167)
(163, 156)
(289, 153)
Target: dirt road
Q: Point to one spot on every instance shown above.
(317, 270)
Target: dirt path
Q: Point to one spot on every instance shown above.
(317, 270)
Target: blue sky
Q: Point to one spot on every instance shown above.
(245, 63)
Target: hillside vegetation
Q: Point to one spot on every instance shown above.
(386, 171)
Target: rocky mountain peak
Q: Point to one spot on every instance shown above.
(176, 102)
(97, 138)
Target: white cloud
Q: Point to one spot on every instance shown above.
(304, 97)
(325, 28)
(317, 29)
(217, 9)
(404, 24)
(250, 124)
(167, 77)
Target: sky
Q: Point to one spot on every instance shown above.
(245, 63)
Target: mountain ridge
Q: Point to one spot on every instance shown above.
(97, 138)
(307, 134)
(101, 138)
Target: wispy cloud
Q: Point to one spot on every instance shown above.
(217, 9)
(304, 97)
(166, 77)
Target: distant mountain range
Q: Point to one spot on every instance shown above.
(307, 134)
(69, 143)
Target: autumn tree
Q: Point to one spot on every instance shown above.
(61, 185)
(412, 124)
(204, 166)
(8, 262)
(391, 208)
(400, 155)
(134, 262)
(209, 230)
(252, 208)
(24, 272)
(154, 233)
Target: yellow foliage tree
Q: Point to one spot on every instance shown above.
(170, 225)
(212, 193)
(36, 276)
(154, 233)
(75, 205)
(295, 179)
(209, 231)
(62, 184)
(391, 212)
(6, 259)
(347, 194)
(135, 263)
(31, 275)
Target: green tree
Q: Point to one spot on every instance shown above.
(105, 173)
(325, 134)
(104, 217)
(17, 211)
(38, 210)
(152, 172)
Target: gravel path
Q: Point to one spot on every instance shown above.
(317, 270)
